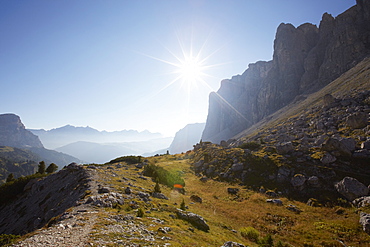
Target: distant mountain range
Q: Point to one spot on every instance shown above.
(21, 150)
(58, 137)
(93, 152)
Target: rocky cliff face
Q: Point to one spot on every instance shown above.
(186, 138)
(14, 134)
(305, 59)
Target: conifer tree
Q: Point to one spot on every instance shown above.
(51, 168)
(42, 167)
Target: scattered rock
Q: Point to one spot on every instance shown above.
(298, 181)
(275, 201)
(365, 222)
(284, 148)
(362, 201)
(328, 158)
(106, 200)
(232, 244)
(365, 145)
(313, 181)
(128, 191)
(159, 196)
(196, 198)
(271, 193)
(293, 208)
(334, 144)
(164, 230)
(103, 190)
(351, 188)
(328, 99)
(232, 191)
(237, 167)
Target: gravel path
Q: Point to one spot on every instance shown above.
(72, 230)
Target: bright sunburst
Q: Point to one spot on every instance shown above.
(190, 69)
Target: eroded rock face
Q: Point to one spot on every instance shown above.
(14, 134)
(44, 199)
(305, 59)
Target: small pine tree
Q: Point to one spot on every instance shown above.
(157, 188)
(182, 205)
(140, 213)
(10, 178)
(51, 168)
(266, 241)
(42, 167)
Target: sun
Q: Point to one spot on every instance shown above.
(190, 69)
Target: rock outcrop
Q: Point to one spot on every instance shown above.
(305, 59)
(14, 134)
(44, 199)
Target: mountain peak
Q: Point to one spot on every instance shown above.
(13, 133)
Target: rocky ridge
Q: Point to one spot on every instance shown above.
(305, 59)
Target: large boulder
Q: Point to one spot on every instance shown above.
(357, 120)
(194, 219)
(334, 144)
(284, 148)
(351, 188)
(298, 181)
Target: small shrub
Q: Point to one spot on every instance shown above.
(266, 241)
(6, 239)
(182, 205)
(51, 168)
(250, 233)
(157, 188)
(140, 213)
(168, 178)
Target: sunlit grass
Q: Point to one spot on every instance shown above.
(226, 214)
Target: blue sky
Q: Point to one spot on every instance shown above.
(107, 64)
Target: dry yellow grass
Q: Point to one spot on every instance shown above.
(314, 226)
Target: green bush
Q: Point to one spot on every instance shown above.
(9, 191)
(51, 168)
(168, 178)
(157, 188)
(250, 233)
(6, 239)
(132, 159)
(266, 241)
(140, 213)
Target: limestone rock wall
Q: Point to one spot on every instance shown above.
(305, 59)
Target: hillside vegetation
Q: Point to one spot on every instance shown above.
(123, 210)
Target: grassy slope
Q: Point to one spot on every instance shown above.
(318, 226)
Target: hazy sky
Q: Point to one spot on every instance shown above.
(109, 64)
